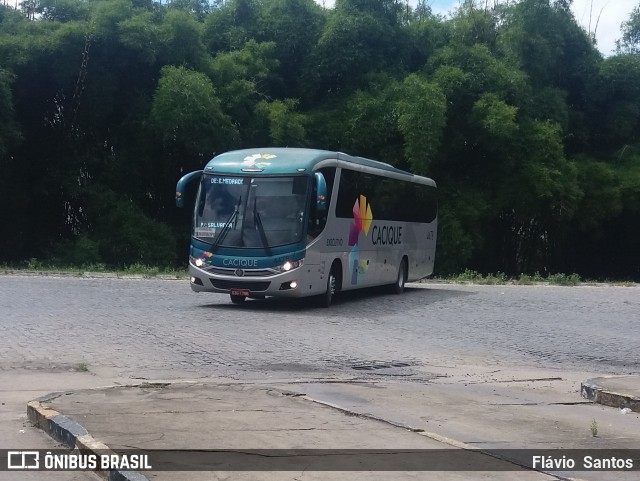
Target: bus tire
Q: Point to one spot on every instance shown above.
(401, 279)
(332, 287)
(237, 299)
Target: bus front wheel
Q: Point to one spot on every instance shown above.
(332, 282)
(237, 299)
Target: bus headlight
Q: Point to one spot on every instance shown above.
(288, 265)
(199, 262)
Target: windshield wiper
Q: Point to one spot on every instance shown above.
(227, 225)
(258, 221)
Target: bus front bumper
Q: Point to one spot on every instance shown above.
(285, 284)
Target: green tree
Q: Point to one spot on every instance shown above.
(11, 194)
(426, 33)
(187, 115)
(294, 26)
(141, 33)
(197, 8)
(422, 115)
(368, 122)
(462, 212)
(62, 10)
(538, 196)
(630, 41)
(9, 128)
(559, 58)
(231, 25)
(475, 23)
(244, 77)
(615, 120)
(359, 37)
(119, 234)
(286, 126)
(495, 119)
(181, 40)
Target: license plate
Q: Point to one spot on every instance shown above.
(240, 292)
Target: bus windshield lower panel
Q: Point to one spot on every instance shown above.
(250, 212)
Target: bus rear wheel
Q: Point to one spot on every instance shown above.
(398, 286)
(237, 299)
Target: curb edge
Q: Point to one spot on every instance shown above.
(591, 390)
(68, 432)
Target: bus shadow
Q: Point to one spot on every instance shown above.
(348, 302)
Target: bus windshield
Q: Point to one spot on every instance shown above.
(250, 212)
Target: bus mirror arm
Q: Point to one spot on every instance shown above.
(182, 184)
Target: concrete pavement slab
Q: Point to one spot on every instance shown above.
(525, 413)
(242, 417)
(488, 415)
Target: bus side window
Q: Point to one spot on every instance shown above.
(319, 209)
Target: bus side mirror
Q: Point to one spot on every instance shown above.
(182, 184)
(321, 190)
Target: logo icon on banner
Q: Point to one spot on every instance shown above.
(23, 460)
(362, 217)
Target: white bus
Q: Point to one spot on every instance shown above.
(289, 222)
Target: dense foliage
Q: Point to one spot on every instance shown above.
(532, 135)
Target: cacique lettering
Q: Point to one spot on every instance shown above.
(386, 235)
(240, 262)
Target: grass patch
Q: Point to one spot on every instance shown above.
(526, 279)
(500, 278)
(468, 276)
(564, 279)
(495, 279)
(141, 269)
(35, 265)
(82, 367)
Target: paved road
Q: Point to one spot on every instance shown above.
(505, 361)
(151, 328)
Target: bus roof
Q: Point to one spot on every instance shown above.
(285, 160)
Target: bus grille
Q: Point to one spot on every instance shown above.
(246, 272)
(238, 284)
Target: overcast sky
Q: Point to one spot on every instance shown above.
(611, 13)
